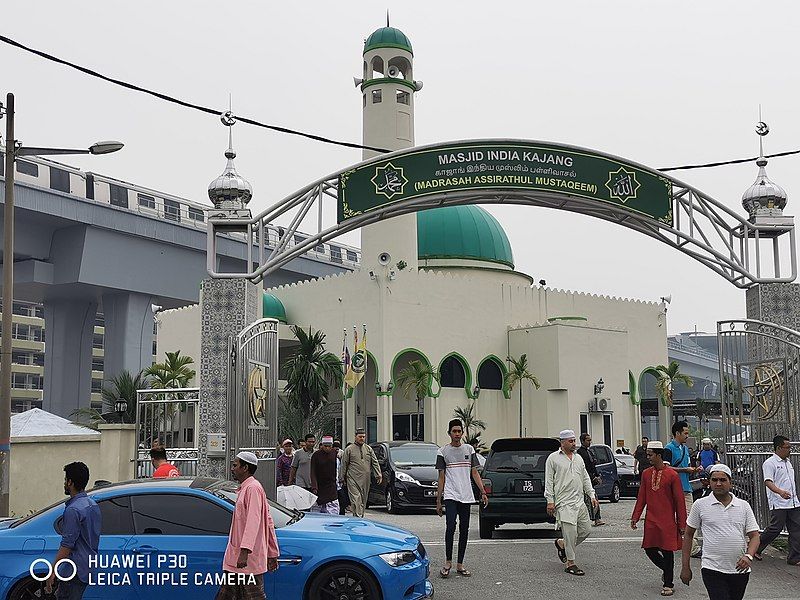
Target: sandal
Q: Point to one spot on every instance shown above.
(562, 554)
(574, 570)
(444, 572)
(598, 523)
(666, 591)
(464, 572)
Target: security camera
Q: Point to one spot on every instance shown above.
(384, 258)
(393, 71)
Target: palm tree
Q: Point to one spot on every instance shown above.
(467, 417)
(311, 372)
(666, 377)
(122, 387)
(519, 373)
(174, 372)
(415, 380)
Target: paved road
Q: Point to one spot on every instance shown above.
(520, 562)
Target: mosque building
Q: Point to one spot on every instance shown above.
(440, 286)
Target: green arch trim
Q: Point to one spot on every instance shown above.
(350, 390)
(423, 356)
(648, 371)
(503, 370)
(467, 374)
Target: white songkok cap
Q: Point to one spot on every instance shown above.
(655, 445)
(724, 468)
(707, 440)
(247, 457)
(567, 434)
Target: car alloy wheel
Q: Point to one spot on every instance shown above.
(343, 582)
(615, 493)
(390, 505)
(28, 589)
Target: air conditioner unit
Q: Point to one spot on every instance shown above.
(594, 405)
(602, 404)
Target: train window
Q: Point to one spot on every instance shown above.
(59, 180)
(299, 239)
(119, 196)
(146, 201)
(336, 254)
(27, 168)
(352, 256)
(320, 248)
(172, 210)
(195, 214)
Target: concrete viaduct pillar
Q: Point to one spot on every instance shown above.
(68, 354)
(128, 333)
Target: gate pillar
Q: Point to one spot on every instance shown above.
(777, 303)
(227, 306)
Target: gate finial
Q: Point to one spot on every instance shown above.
(764, 199)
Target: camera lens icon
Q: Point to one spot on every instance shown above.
(53, 568)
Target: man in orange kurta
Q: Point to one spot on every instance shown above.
(252, 545)
(665, 521)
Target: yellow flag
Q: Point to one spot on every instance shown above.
(358, 362)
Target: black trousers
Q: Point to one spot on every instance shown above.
(725, 586)
(780, 518)
(664, 560)
(456, 510)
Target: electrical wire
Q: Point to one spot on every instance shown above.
(184, 103)
(286, 130)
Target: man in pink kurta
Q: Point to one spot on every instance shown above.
(252, 544)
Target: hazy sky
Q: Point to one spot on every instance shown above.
(661, 83)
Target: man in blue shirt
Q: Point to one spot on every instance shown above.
(680, 461)
(80, 538)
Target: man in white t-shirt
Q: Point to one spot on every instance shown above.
(457, 464)
(783, 502)
(725, 521)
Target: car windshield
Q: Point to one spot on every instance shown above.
(280, 514)
(524, 461)
(625, 459)
(417, 455)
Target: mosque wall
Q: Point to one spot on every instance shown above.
(475, 313)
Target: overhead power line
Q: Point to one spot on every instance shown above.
(311, 136)
(185, 103)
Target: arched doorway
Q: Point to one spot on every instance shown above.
(409, 418)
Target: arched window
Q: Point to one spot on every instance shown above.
(377, 67)
(490, 376)
(452, 373)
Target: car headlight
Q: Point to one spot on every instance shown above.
(400, 476)
(398, 559)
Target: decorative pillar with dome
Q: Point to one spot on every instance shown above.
(764, 202)
(227, 307)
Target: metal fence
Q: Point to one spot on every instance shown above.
(170, 418)
(760, 378)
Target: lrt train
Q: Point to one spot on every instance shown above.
(45, 173)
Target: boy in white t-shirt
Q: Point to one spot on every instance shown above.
(457, 465)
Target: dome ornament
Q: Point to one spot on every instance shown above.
(230, 192)
(765, 200)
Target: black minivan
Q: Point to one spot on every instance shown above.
(410, 478)
(513, 478)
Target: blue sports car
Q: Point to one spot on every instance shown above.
(165, 538)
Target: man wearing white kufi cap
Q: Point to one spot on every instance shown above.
(731, 538)
(565, 483)
(252, 548)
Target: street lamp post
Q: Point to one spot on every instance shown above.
(13, 150)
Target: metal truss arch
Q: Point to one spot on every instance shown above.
(742, 252)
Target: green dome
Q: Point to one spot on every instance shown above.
(466, 232)
(388, 37)
(272, 308)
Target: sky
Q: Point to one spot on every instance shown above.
(660, 83)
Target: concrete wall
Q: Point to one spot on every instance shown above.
(37, 463)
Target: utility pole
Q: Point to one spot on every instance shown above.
(8, 312)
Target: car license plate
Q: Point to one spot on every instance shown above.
(430, 493)
(527, 486)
